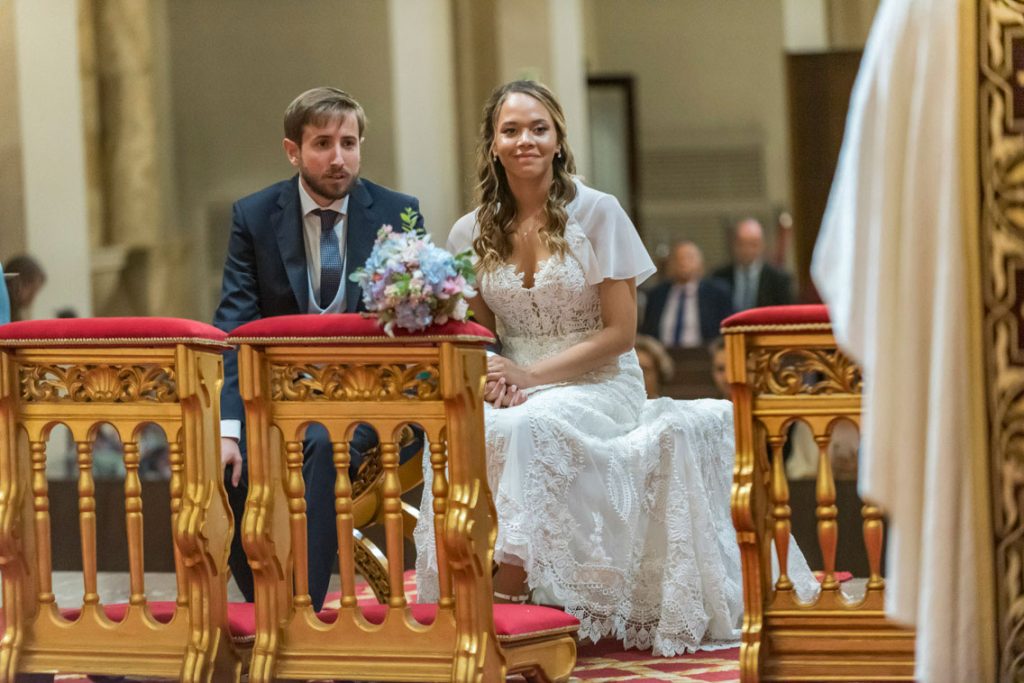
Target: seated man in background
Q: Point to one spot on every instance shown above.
(686, 310)
(750, 280)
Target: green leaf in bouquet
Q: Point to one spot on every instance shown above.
(409, 219)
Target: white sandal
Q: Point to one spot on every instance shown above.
(518, 599)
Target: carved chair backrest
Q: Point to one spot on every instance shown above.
(436, 385)
(82, 384)
(784, 367)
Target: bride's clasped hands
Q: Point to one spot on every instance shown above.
(506, 382)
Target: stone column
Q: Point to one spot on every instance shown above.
(126, 130)
(476, 58)
(49, 98)
(849, 22)
(426, 136)
(12, 206)
(544, 40)
(569, 74)
(137, 260)
(805, 25)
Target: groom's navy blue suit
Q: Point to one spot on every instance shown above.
(266, 275)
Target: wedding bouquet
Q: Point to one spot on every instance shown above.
(411, 283)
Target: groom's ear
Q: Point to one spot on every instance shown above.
(291, 149)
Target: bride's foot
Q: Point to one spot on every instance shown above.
(510, 585)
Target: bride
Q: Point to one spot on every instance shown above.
(611, 505)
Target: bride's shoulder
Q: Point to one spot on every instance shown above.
(590, 203)
(463, 232)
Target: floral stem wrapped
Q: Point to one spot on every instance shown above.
(411, 283)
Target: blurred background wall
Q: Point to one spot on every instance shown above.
(128, 127)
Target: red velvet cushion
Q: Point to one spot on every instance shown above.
(62, 332)
(510, 621)
(787, 318)
(349, 328)
(241, 616)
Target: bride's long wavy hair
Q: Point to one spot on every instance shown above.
(497, 211)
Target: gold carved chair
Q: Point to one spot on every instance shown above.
(338, 371)
(784, 366)
(125, 372)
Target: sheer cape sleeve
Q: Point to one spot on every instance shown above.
(461, 236)
(606, 243)
(612, 248)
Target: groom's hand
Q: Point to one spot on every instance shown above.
(231, 454)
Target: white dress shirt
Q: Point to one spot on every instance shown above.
(684, 295)
(311, 238)
(747, 281)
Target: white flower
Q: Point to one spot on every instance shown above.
(461, 309)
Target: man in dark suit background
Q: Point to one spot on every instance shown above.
(751, 281)
(291, 249)
(686, 310)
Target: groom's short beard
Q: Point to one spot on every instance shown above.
(327, 192)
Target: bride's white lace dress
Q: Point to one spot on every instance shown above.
(617, 506)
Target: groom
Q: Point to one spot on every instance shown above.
(291, 249)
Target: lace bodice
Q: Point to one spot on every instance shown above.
(557, 312)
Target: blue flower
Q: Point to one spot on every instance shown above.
(411, 283)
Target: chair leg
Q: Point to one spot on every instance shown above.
(535, 675)
(548, 661)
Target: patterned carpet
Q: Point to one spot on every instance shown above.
(603, 662)
(606, 662)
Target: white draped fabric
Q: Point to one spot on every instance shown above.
(890, 263)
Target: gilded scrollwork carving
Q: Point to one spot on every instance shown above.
(1001, 170)
(789, 372)
(369, 471)
(373, 570)
(104, 383)
(355, 382)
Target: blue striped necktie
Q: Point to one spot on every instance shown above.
(330, 257)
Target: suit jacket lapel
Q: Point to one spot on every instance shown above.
(287, 225)
(363, 225)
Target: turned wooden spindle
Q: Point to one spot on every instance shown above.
(344, 522)
(828, 530)
(177, 488)
(41, 514)
(133, 523)
(781, 511)
(295, 490)
(873, 541)
(87, 521)
(392, 490)
(439, 489)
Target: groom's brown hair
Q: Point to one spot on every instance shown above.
(317, 106)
